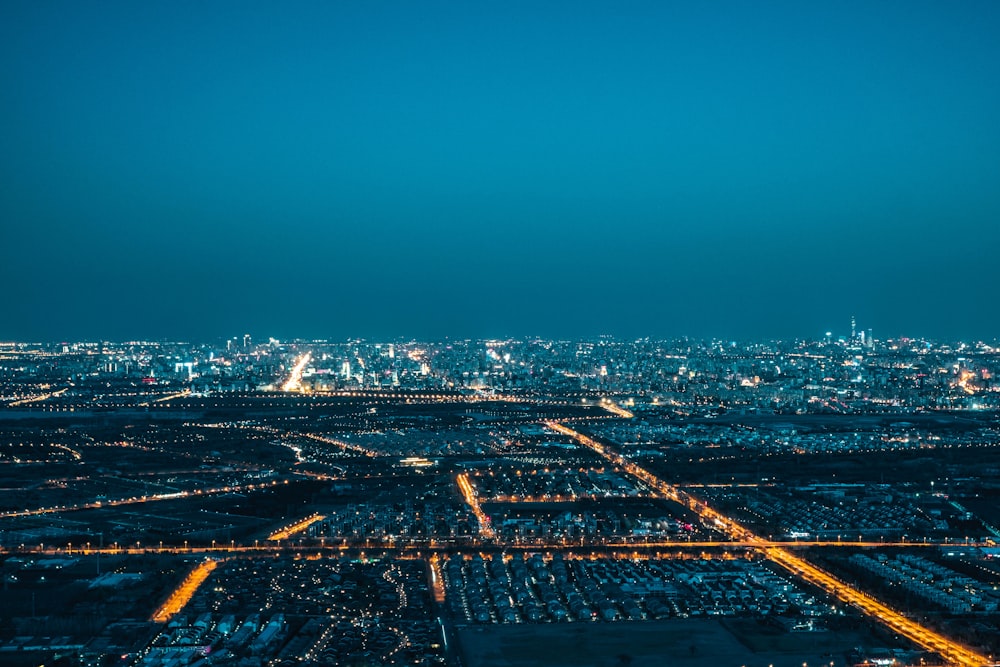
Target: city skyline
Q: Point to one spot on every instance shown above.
(749, 172)
(249, 501)
(861, 336)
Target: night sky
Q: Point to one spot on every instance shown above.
(193, 170)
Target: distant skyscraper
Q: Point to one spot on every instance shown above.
(853, 329)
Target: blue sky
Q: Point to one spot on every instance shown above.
(193, 170)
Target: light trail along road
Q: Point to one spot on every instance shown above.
(294, 381)
(953, 652)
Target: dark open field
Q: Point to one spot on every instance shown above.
(682, 642)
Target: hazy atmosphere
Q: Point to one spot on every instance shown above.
(191, 170)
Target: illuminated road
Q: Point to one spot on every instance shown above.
(97, 504)
(437, 581)
(170, 397)
(963, 382)
(184, 591)
(346, 446)
(37, 399)
(952, 651)
(615, 409)
(433, 545)
(472, 500)
(294, 381)
(296, 527)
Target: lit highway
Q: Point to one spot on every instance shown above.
(472, 500)
(345, 446)
(952, 651)
(437, 580)
(615, 409)
(294, 381)
(170, 397)
(295, 528)
(433, 545)
(184, 591)
(38, 399)
(97, 504)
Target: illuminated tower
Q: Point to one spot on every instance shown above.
(854, 328)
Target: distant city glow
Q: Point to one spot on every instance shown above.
(294, 381)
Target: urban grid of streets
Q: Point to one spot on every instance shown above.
(283, 540)
(776, 551)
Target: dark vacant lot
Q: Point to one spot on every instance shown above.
(682, 642)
